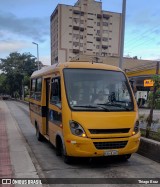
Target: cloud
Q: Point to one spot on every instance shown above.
(46, 60)
(36, 28)
(10, 46)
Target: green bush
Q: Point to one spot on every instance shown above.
(157, 101)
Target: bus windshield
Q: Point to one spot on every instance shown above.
(97, 90)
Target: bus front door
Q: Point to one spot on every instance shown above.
(47, 102)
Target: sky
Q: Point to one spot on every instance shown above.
(25, 21)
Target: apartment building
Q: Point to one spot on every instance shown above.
(84, 29)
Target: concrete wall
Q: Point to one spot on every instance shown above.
(150, 149)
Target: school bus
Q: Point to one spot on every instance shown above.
(85, 110)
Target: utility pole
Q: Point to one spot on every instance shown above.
(150, 117)
(37, 54)
(122, 34)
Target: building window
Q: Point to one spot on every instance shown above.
(106, 16)
(105, 39)
(98, 32)
(76, 36)
(89, 49)
(89, 26)
(104, 46)
(76, 20)
(91, 14)
(105, 24)
(81, 44)
(97, 46)
(82, 21)
(105, 31)
(90, 34)
(104, 54)
(98, 23)
(89, 42)
(81, 29)
(76, 44)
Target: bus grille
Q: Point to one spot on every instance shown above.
(110, 145)
(108, 131)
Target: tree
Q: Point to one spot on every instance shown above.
(16, 68)
(3, 86)
(156, 87)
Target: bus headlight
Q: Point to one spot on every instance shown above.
(77, 129)
(136, 128)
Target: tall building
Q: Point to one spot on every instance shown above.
(84, 29)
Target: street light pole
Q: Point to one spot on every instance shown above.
(37, 53)
(122, 34)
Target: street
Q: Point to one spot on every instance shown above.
(50, 166)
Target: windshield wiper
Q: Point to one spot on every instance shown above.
(116, 105)
(92, 106)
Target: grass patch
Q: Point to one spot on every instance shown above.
(152, 135)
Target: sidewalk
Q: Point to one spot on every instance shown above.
(15, 161)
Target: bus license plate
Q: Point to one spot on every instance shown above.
(110, 152)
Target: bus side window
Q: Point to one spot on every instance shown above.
(33, 88)
(38, 88)
(56, 92)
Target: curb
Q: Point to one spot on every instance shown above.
(22, 163)
(150, 149)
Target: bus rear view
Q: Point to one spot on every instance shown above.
(101, 117)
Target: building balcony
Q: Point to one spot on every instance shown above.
(78, 12)
(81, 29)
(99, 16)
(78, 28)
(104, 47)
(75, 27)
(106, 16)
(98, 39)
(76, 23)
(75, 51)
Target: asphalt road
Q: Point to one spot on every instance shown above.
(50, 166)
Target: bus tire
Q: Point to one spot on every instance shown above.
(38, 134)
(125, 157)
(58, 146)
(66, 159)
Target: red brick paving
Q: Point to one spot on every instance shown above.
(5, 162)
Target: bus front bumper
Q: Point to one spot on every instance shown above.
(84, 147)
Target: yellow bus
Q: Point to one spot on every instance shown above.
(85, 110)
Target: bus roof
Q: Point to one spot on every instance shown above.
(85, 65)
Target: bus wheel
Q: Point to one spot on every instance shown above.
(66, 159)
(58, 146)
(38, 134)
(125, 157)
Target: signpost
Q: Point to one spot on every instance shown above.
(148, 83)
